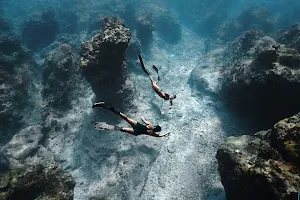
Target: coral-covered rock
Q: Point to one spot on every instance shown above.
(40, 30)
(24, 144)
(37, 182)
(262, 166)
(16, 77)
(103, 61)
(290, 37)
(261, 79)
(60, 77)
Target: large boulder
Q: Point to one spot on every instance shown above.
(47, 181)
(264, 165)
(40, 30)
(60, 77)
(261, 79)
(257, 17)
(290, 36)
(103, 61)
(17, 70)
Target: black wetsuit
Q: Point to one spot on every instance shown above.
(140, 129)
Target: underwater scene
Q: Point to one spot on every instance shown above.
(149, 100)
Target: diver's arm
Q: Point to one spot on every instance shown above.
(146, 122)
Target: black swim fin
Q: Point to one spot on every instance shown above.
(143, 66)
(102, 104)
(155, 68)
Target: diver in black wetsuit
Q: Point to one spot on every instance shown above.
(137, 128)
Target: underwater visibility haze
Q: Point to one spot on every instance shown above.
(220, 78)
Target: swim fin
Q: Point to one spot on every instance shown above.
(155, 68)
(102, 126)
(143, 66)
(102, 104)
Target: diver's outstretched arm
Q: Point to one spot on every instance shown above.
(145, 121)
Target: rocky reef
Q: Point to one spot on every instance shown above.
(61, 76)
(264, 165)
(17, 75)
(290, 37)
(256, 17)
(103, 62)
(261, 79)
(40, 30)
(36, 182)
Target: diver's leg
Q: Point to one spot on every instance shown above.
(129, 120)
(127, 130)
(143, 66)
(158, 77)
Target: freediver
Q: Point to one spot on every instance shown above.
(137, 128)
(155, 87)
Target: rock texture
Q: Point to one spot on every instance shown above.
(40, 30)
(103, 61)
(261, 78)
(17, 70)
(256, 17)
(290, 37)
(37, 182)
(60, 77)
(264, 165)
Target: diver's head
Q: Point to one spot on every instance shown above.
(167, 96)
(157, 128)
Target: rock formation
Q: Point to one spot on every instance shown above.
(290, 37)
(40, 30)
(261, 78)
(264, 165)
(17, 70)
(37, 182)
(60, 77)
(103, 61)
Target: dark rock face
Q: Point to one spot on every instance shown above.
(262, 166)
(4, 25)
(144, 30)
(16, 78)
(103, 61)
(257, 17)
(60, 77)
(134, 49)
(167, 27)
(37, 182)
(290, 37)
(261, 79)
(40, 30)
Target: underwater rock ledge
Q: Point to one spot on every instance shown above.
(264, 165)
